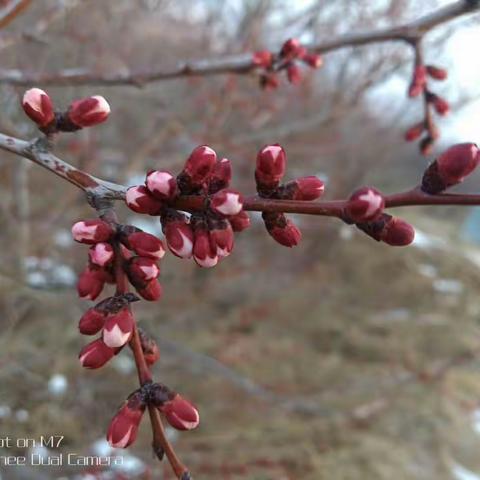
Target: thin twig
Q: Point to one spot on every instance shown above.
(10, 11)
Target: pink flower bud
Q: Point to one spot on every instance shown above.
(198, 167)
(221, 176)
(118, 328)
(419, 81)
(92, 322)
(140, 200)
(141, 270)
(123, 429)
(313, 60)
(162, 185)
(92, 231)
(152, 291)
(294, 74)
(436, 72)
(390, 230)
(451, 167)
(271, 164)
(146, 245)
(291, 48)
(269, 81)
(240, 222)
(101, 254)
(88, 111)
(221, 238)
(96, 354)
(414, 131)
(91, 282)
(179, 236)
(441, 106)
(263, 58)
(282, 229)
(204, 253)
(304, 188)
(150, 348)
(180, 413)
(364, 204)
(226, 202)
(38, 106)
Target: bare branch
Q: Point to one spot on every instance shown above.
(10, 11)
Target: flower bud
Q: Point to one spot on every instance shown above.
(141, 270)
(221, 176)
(291, 48)
(152, 291)
(101, 254)
(226, 202)
(162, 185)
(364, 204)
(294, 74)
(145, 245)
(426, 145)
(390, 230)
(92, 321)
(440, 105)
(304, 188)
(282, 229)
(269, 81)
(240, 222)
(313, 60)
(180, 413)
(204, 253)
(150, 348)
(91, 282)
(263, 58)
(414, 131)
(92, 231)
(118, 328)
(96, 354)
(198, 168)
(140, 200)
(179, 236)
(451, 167)
(221, 237)
(436, 72)
(419, 81)
(271, 164)
(123, 429)
(88, 111)
(38, 106)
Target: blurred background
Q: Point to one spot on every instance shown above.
(340, 359)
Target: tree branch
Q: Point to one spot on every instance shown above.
(10, 11)
(238, 64)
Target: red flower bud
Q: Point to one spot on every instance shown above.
(226, 202)
(436, 72)
(118, 328)
(451, 167)
(91, 282)
(282, 229)
(152, 291)
(96, 354)
(38, 106)
(162, 185)
(150, 348)
(240, 221)
(145, 245)
(180, 413)
(92, 231)
(426, 145)
(141, 270)
(365, 204)
(92, 322)
(414, 131)
(294, 74)
(271, 164)
(204, 253)
(304, 188)
(89, 111)
(140, 200)
(101, 254)
(390, 230)
(263, 58)
(419, 81)
(441, 106)
(269, 81)
(123, 429)
(291, 48)
(200, 164)
(221, 176)
(221, 238)
(313, 60)
(179, 236)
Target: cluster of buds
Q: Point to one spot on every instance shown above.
(418, 86)
(270, 169)
(291, 54)
(207, 236)
(85, 112)
(365, 208)
(178, 412)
